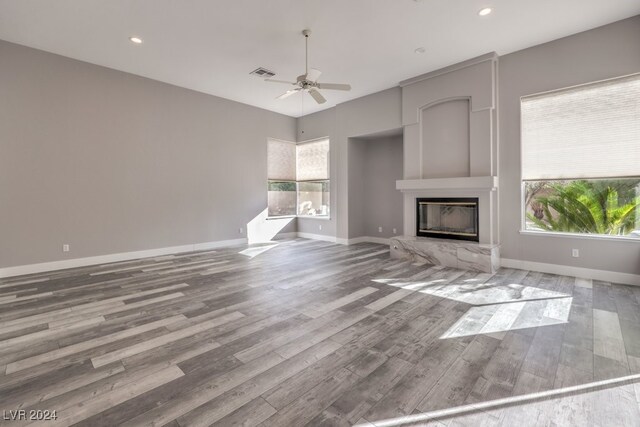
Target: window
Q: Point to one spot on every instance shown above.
(282, 198)
(298, 178)
(312, 163)
(581, 159)
(281, 169)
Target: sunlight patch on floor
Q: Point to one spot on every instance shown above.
(496, 307)
(257, 250)
(475, 293)
(263, 229)
(487, 293)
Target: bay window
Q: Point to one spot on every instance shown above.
(298, 178)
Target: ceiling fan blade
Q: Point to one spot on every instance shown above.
(279, 81)
(313, 74)
(317, 96)
(287, 93)
(334, 86)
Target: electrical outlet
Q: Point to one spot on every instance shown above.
(320, 227)
(379, 229)
(240, 230)
(65, 248)
(575, 253)
(394, 231)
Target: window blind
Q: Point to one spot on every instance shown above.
(313, 160)
(588, 131)
(281, 160)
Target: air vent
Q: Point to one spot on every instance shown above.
(263, 73)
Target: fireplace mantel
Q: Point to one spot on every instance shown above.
(487, 183)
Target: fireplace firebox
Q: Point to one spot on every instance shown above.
(447, 218)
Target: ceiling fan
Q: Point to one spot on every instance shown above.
(308, 82)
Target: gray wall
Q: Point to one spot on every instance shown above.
(382, 202)
(374, 166)
(109, 162)
(357, 149)
(605, 52)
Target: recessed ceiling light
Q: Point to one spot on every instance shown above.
(420, 50)
(136, 40)
(485, 11)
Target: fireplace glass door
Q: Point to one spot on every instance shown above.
(448, 218)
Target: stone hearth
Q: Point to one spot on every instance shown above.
(450, 253)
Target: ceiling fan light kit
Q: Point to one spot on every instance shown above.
(308, 82)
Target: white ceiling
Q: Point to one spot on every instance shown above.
(212, 45)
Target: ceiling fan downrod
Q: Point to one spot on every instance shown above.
(306, 33)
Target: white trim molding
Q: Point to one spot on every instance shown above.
(611, 238)
(603, 275)
(20, 270)
(342, 241)
(463, 183)
(288, 235)
(566, 270)
(365, 239)
(491, 56)
(123, 256)
(322, 237)
(218, 244)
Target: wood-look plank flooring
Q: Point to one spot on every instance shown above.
(312, 333)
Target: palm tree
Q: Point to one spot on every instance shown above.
(594, 207)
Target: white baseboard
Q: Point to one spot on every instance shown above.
(566, 270)
(105, 259)
(342, 241)
(218, 244)
(588, 273)
(364, 239)
(322, 237)
(289, 235)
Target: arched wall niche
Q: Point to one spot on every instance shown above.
(474, 80)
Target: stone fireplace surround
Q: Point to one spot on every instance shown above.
(438, 168)
(482, 256)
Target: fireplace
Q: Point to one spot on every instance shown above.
(447, 218)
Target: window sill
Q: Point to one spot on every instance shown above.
(580, 236)
(323, 218)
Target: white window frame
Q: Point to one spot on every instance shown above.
(320, 217)
(563, 235)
